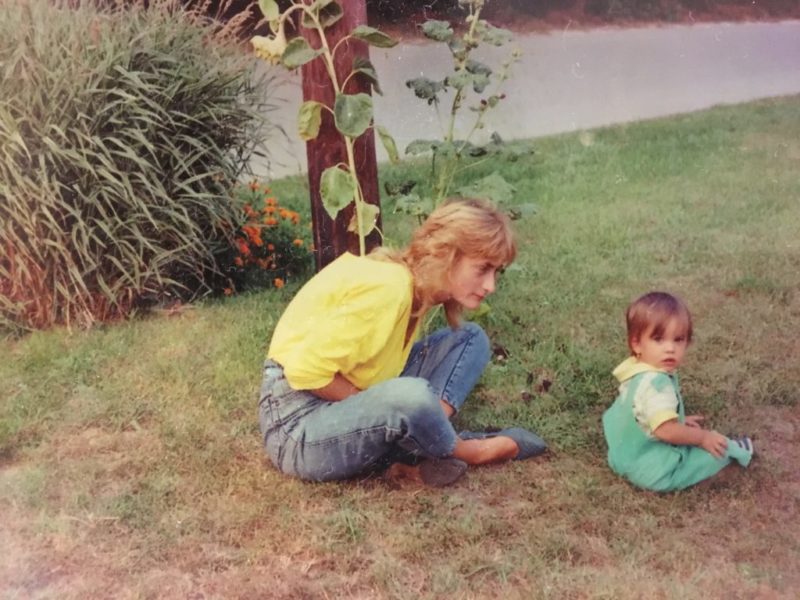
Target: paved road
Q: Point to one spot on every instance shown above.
(575, 80)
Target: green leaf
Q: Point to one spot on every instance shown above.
(492, 100)
(474, 66)
(479, 82)
(298, 53)
(495, 35)
(425, 88)
(369, 217)
(337, 189)
(374, 37)
(412, 204)
(459, 80)
(422, 146)
(388, 144)
(439, 31)
(458, 48)
(270, 9)
(399, 188)
(365, 67)
(522, 210)
(327, 12)
(309, 118)
(352, 113)
(492, 187)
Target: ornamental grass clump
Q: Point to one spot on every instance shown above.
(122, 133)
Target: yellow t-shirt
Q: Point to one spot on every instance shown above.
(350, 318)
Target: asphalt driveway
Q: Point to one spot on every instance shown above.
(576, 80)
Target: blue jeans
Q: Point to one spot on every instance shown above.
(318, 440)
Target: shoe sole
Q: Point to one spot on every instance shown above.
(441, 472)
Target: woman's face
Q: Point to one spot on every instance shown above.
(471, 280)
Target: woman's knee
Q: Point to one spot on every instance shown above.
(478, 340)
(411, 396)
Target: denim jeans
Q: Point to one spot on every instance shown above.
(319, 440)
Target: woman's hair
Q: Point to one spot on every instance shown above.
(652, 313)
(461, 227)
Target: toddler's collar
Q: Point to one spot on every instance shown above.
(632, 366)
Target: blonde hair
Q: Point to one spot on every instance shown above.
(461, 227)
(653, 312)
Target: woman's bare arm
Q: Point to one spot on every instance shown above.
(338, 389)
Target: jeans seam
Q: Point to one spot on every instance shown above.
(456, 366)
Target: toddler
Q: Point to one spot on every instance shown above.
(651, 441)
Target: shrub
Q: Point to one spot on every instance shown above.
(270, 247)
(122, 133)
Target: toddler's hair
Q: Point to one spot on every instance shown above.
(653, 312)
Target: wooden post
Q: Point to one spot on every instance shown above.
(331, 237)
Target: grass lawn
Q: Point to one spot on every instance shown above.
(130, 459)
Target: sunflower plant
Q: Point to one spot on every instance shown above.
(352, 113)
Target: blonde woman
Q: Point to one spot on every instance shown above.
(347, 389)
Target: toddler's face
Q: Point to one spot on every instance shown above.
(664, 351)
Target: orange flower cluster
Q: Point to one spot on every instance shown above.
(269, 246)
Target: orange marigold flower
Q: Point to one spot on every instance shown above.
(271, 247)
(228, 291)
(238, 261)
(263, 263)
(270, 221)
(278, 282)
(269, 210)
(270, 202)
(244, 249)
(298, 242)
(248, 210)
(254, 186)
(296, 219)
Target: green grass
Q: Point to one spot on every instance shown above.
(130, 459)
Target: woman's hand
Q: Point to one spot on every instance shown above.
(338, 389)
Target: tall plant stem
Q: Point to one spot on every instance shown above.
(328, 57)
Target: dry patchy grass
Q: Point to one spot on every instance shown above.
(130, 463)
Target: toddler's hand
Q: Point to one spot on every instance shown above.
(695, 421)
(714, 443)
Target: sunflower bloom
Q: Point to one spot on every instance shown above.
(271, 49)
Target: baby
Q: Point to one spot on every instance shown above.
(651, 441)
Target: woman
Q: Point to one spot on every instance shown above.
(346, 390)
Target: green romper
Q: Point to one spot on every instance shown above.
(643, 459)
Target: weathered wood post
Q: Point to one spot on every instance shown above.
(331, 237)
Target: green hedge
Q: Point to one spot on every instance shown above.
(122, 133)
